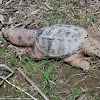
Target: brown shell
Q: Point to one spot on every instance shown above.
(60, 40)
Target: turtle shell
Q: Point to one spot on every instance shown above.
(60, 40)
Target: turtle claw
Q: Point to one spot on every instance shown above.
(85, 66)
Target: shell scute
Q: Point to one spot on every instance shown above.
(60, 40)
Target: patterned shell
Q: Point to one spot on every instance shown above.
(60, 40)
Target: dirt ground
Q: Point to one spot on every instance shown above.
(57, 80)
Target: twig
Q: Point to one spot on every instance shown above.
(7, 3)
(3, 65)
(51, 8)
(97, 12)
(83, 90)
(33, 84)
(53, 82)
(21, 1)
(35, 12)
(16, 25)
(80, 80)
(28, 23)
(18, 88)
(83, 97)
(98, 87)
(75, 75)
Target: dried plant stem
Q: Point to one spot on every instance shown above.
(47, 5)
(3, 65)
(28, 23)
(18, 88)
(7, 3)
(81, 80)
(33, 84)
(75, 75)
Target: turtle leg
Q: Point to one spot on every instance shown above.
(91, 47)
(33, 52)
(78, 60)
(94, 42)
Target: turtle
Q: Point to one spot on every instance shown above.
(68, 42)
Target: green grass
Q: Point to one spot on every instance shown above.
(48, 70)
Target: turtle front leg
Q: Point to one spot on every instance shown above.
(78, 60)
(33, 52)
(91, 47)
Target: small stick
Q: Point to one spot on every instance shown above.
(7, 3)
(83, 97)
(3, 65)
(16, 25)
(20, 3)
(75, 75)
(18, 88)
(33, 84)
(51, 8)
(80, 80)
(28, 23)
(35, 12)
(98, 87)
